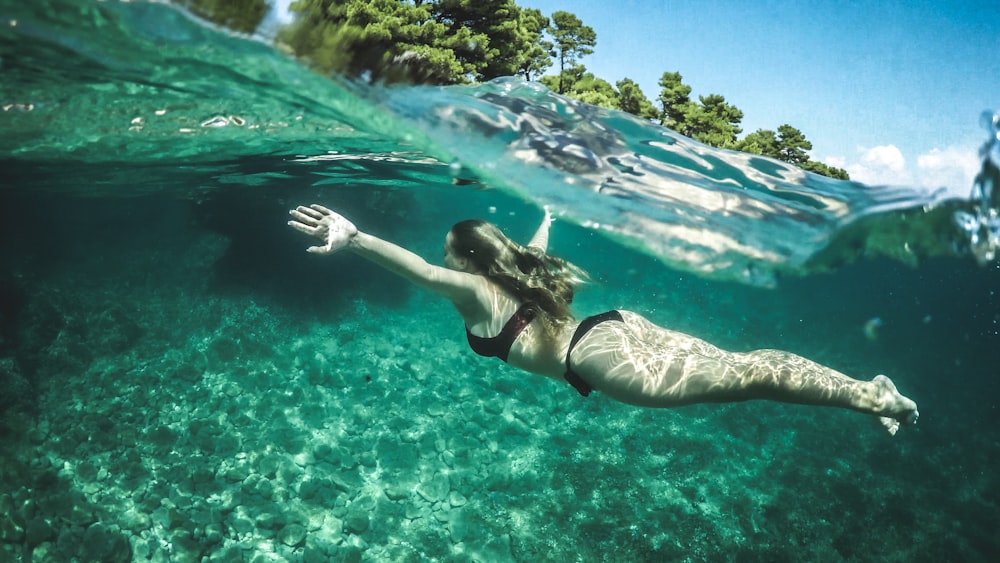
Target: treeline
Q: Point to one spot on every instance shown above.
(462, 41)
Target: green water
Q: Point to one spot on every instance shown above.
(181, 380)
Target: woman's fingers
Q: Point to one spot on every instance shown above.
(314, 212)
(302, 217)
(322, 210)
(307, 229)
(323, 223)
(308, 212)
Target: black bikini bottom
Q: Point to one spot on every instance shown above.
(590, 322)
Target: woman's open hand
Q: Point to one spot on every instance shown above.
(326, 225)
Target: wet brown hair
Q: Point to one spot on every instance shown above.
(527, 272)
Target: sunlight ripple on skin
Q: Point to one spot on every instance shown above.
(646, 365)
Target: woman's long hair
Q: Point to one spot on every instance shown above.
(527, 272)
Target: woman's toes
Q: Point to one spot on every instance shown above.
(891, 425)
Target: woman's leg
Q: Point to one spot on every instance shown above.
(783, 376)
(640, 363)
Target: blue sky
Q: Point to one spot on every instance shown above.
(892, 91)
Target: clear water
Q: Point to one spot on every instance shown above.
(180, 380)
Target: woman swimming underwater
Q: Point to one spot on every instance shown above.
(515, 303)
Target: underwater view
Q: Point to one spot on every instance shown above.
(180, 380)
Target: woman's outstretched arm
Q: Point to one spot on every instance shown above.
(337, 233)
(541, 238)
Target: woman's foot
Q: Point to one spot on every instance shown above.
(892, 408)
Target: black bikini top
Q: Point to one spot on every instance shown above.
(499, 345)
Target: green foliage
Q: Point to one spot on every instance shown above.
(596, 91)
(761, 141)
(572, 41)
(792, 145)
(788, 145)
(536, 55)
(585, 87)
(445, 41)
(352, 36)
(503, 38)
(565, 80)
(238, 15)
(675, 99)
(597, 98)
(825, 170)
(710, 120)
(632, 100)
(550, 81)
(716, 123)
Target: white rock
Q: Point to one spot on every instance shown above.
(134, 520)
(292, 535)
(435, 489)
(456, 498)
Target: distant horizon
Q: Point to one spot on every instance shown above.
(891, 93)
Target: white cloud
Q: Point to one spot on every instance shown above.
(953, 167)
(879, 165)
(887, 157)
(838, 161)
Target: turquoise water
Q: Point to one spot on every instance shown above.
(181, 380)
